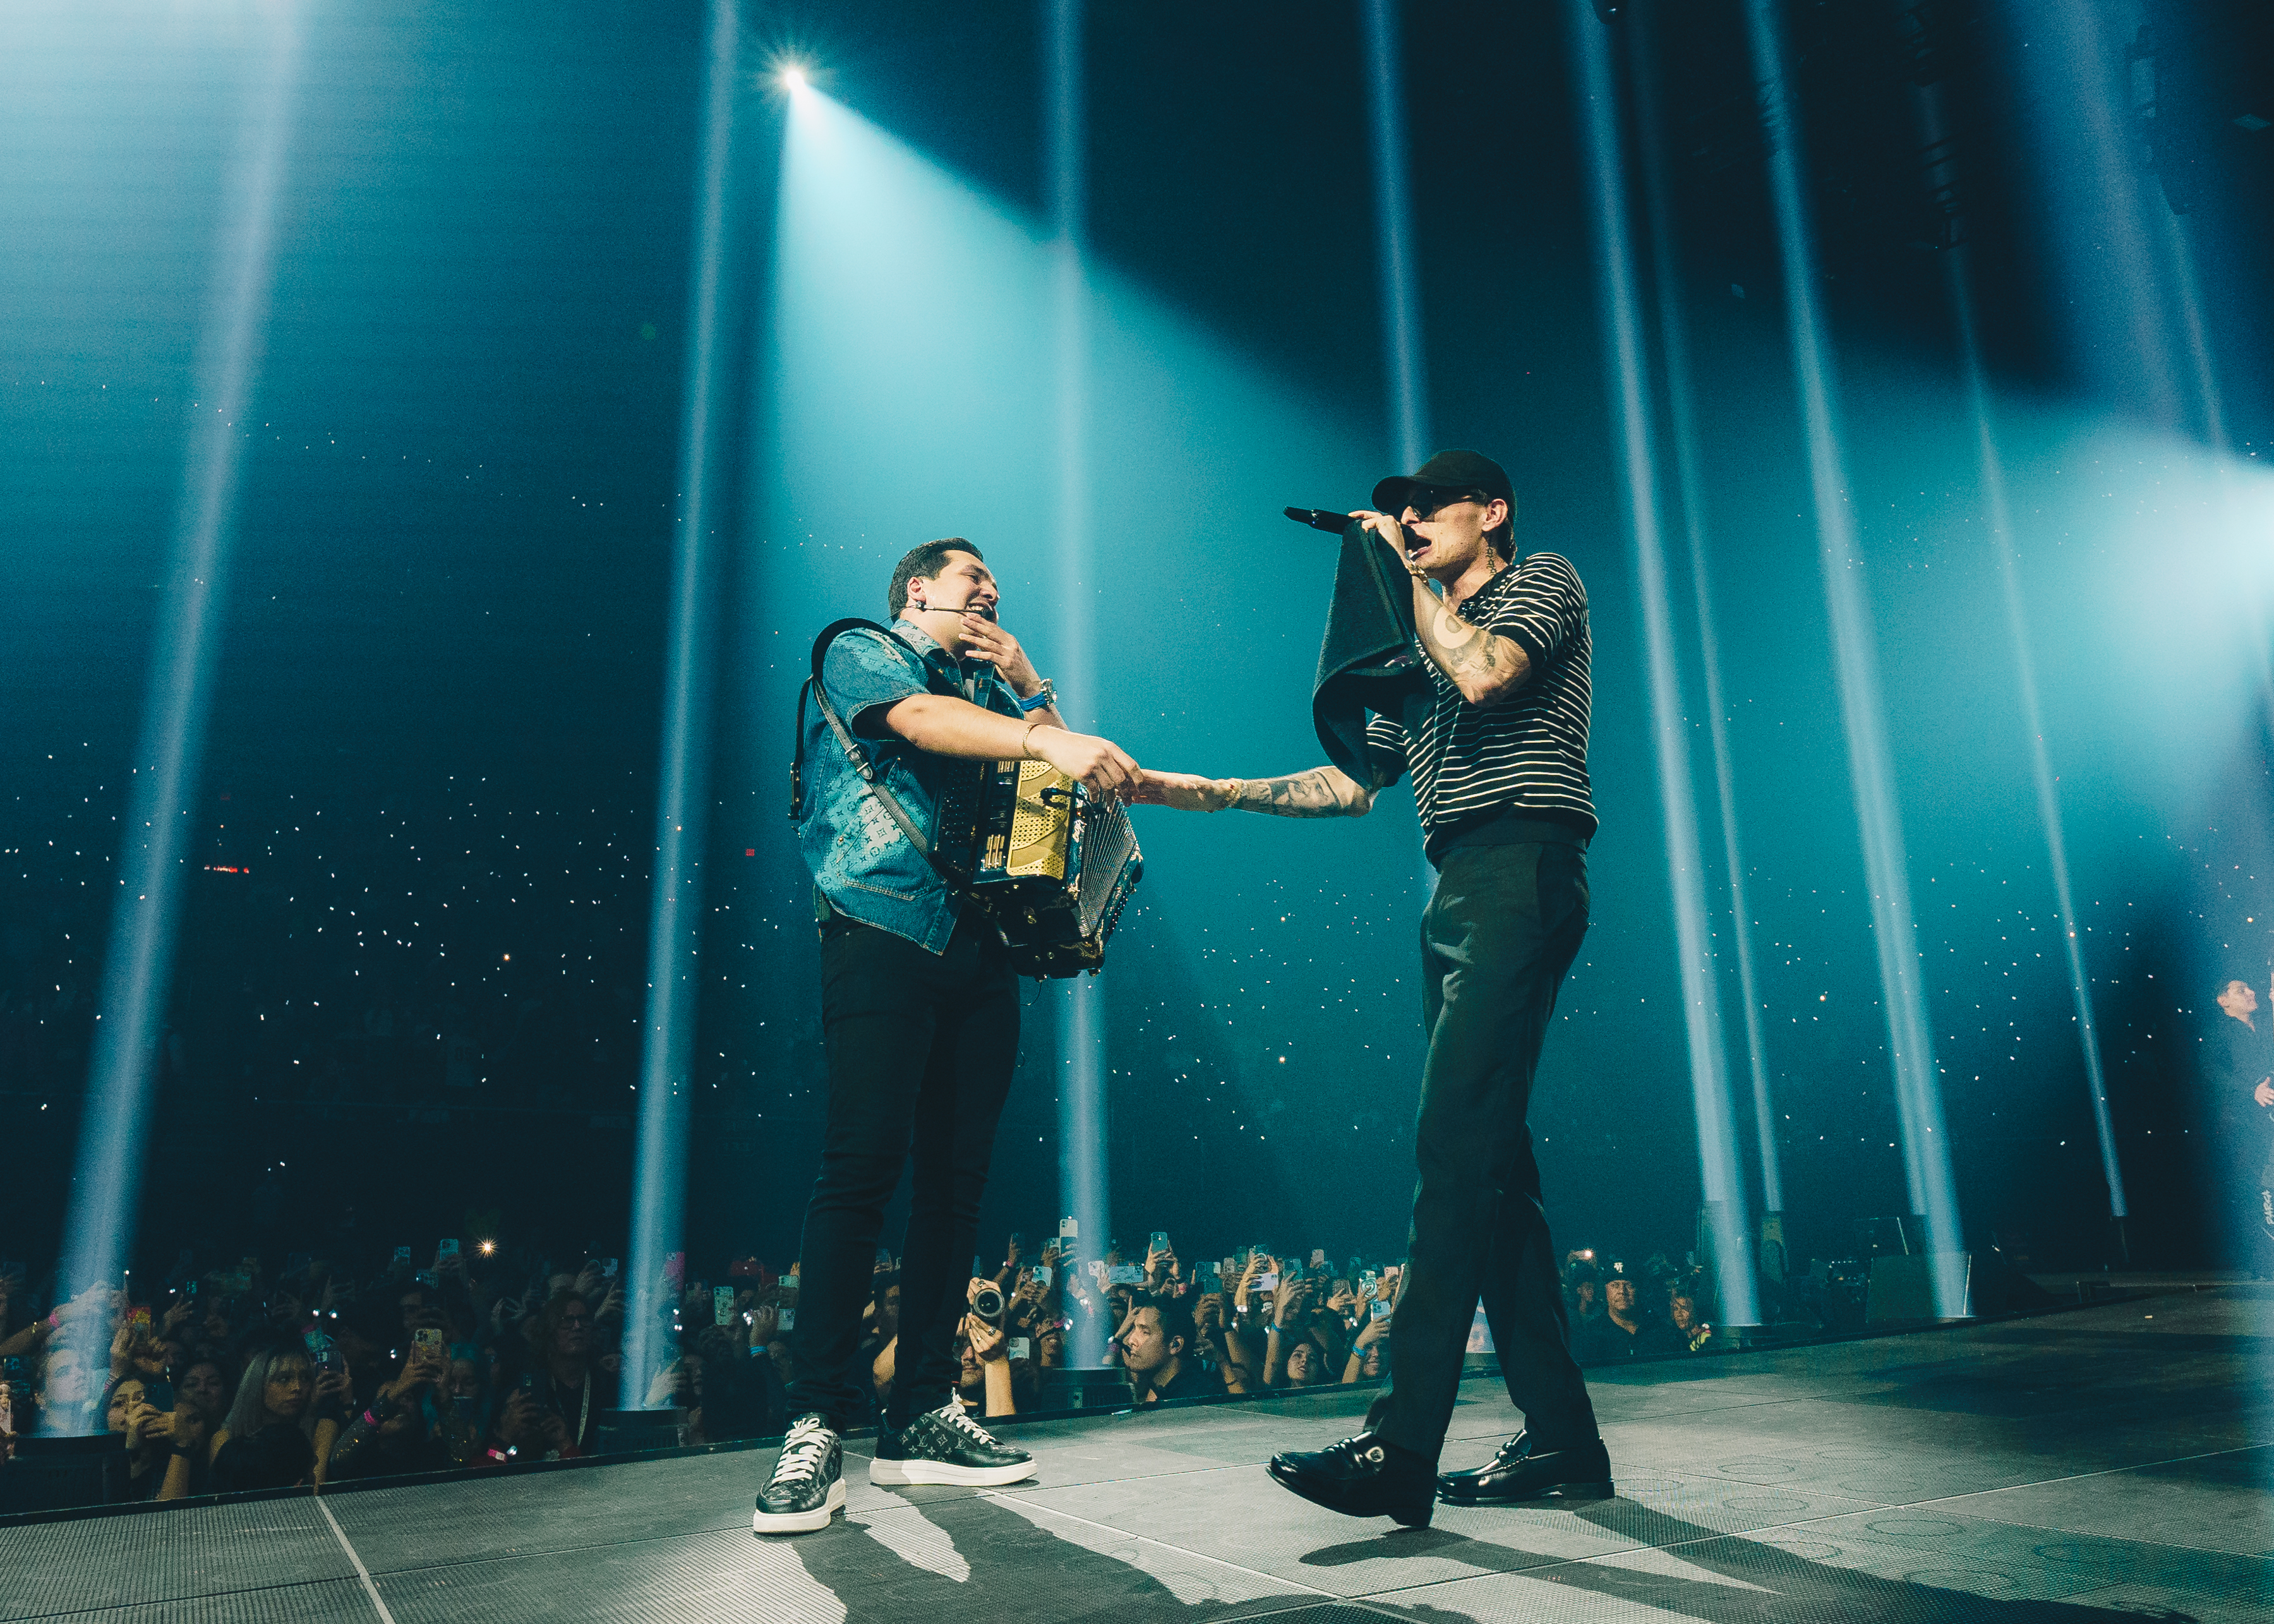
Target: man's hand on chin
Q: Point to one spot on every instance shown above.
(985, 639)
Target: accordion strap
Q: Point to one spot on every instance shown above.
(871, 779)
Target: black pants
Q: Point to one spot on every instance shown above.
(921, 1047)
(1495, 941)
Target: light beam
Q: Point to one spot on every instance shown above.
(683, 797)
(1083, 1176)
(1674, 349)
(2041, 772)
(1393, 214)
(139, 961)
(1709, 1081)
(1918, 1094)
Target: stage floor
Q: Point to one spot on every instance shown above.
(2103, 1464)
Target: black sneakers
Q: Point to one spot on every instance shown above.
(947, 1446)
(808, 1486)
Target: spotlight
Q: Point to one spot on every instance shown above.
(792, 78)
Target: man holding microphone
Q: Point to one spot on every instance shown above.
(1496, 743)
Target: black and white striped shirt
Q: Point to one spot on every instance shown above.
(1526, 756)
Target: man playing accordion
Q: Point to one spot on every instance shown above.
(920, 1014)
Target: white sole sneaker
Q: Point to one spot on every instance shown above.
(801, 1521)
(889, 1472)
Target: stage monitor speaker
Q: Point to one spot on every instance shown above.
(1998, 1287)
(1902, 1287)
(624, 1431)
(1091, 1387)
(60, 1474)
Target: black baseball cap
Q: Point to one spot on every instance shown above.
(1447, 470)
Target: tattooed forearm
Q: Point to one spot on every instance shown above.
(1324, 791)
(1482, 665)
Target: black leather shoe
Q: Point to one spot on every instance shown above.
(1362, 1476)
(1521, 1471)
(1463, 1485)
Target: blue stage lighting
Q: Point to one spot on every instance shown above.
(925, 326)
(1085, 1186)
(1918, 1092)
(1393, 215)
(138, 959)
(1689, 465)
(2119, 338)
(2041, 772)
(1709, 1079)
(676, 928)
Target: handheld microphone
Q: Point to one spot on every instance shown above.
(1319, 519)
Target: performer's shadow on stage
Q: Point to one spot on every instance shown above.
(1766, 1581)
(978, 1557)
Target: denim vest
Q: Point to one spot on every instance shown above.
(861, 863)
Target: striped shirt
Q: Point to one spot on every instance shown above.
(1524, 757)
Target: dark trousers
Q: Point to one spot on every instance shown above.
(921, 1047)
(1495, 941)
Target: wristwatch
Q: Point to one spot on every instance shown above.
(1044, 698)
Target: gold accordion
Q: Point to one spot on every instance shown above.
(1053, 865)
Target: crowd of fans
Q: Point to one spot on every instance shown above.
(236, 1378)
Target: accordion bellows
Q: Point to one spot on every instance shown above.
(1054, 866)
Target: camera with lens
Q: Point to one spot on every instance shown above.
(987, 1303)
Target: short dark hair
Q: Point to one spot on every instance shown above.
(924, 563)
(1176, 1319)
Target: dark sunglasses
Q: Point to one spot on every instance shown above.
(1426, 504)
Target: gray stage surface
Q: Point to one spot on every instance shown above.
(2107, 1463)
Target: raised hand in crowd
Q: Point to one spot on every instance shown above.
(425, 1368)
(189, 1437)
(1364, 1358)
(1161, 1269)
(1256, 1266)
(144, 1421)
(184, 1429)
(989, 1346)
(1287, 1327)
(124, 1343)
(334, 1387)
(506, 1313)
(529, 1428)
